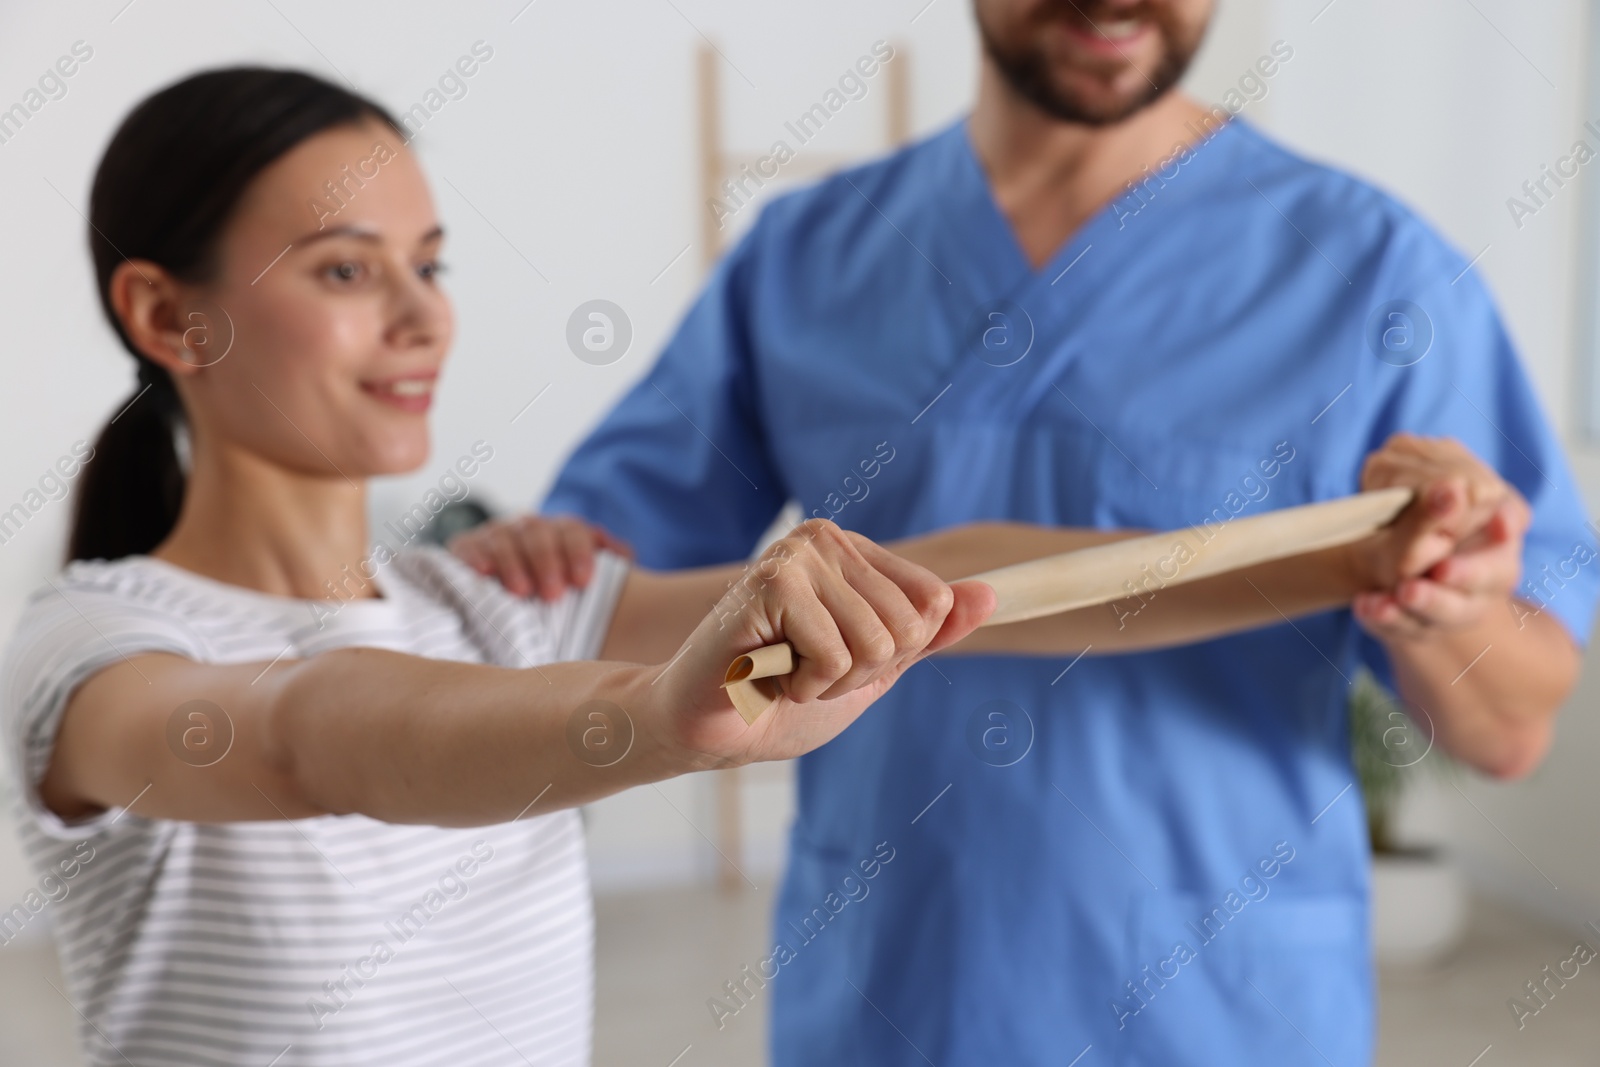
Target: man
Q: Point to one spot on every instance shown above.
(1096, 303)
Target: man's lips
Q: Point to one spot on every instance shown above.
(412, 393)
(1107, 36)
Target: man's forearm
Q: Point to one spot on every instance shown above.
(1155, 614)
(1489, 693)
(410, 740)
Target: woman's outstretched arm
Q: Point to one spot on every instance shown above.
(406, 739)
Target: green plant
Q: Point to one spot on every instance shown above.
(1388, 749)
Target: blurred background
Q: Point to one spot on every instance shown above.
(576, 164)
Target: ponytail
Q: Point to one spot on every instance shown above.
(164, 191)
(131, 489)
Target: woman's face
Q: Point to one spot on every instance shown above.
(328, 306)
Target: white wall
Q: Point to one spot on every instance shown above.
(577, 142)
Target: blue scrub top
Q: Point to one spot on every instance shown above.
(1159, 855)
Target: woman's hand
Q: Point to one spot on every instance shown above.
(534, 553)
(1453, 555)
(857, 616)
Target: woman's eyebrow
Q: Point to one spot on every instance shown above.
(363, 234)
(359, 232)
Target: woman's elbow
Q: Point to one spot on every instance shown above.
(287, 735)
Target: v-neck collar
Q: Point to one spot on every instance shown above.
(987, 254)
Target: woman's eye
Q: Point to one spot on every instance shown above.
(430, 270)
(344, 272)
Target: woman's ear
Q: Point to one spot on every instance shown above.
(166, 320)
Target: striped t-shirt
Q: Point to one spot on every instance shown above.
(330, 940)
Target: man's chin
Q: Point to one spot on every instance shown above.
(1093, 91)
(1099, 105)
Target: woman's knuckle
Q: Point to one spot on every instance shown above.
(878, 646)
(811, 529)
(911, 631)
(833, 661)
(937, 600)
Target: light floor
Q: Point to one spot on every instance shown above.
(662, 955)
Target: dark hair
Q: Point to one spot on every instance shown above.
(166, 187)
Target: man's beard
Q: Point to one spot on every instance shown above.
(1029, 72)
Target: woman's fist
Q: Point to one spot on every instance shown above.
(857, 616)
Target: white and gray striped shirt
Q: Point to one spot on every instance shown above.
(331, 940)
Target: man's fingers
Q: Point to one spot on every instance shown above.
(541, 555)
(607, 540)
(1489, 563)
(1491, 571)
(469, 548)
(534, 553)
(1417, 540)
(1463, 504)
(577, 545)
(1508, 526)
(1435, 605)
(1381, 615)
(1447, 514)
(1458, 498)
(505, 553)
(1416, 607)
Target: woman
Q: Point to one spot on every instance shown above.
(312, 798)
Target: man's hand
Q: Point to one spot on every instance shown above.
(857, 615)
(1453, 556)
(533, 553)
(1443, 580)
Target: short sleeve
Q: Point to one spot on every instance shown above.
(681, 467)
(513, 631)
(1471, 385)
(65, 636)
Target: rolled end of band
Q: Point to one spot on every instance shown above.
(752, 679)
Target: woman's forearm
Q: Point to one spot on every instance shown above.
(410, 740)
(1154, 614)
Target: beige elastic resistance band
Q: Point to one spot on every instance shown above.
(1101, 574)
